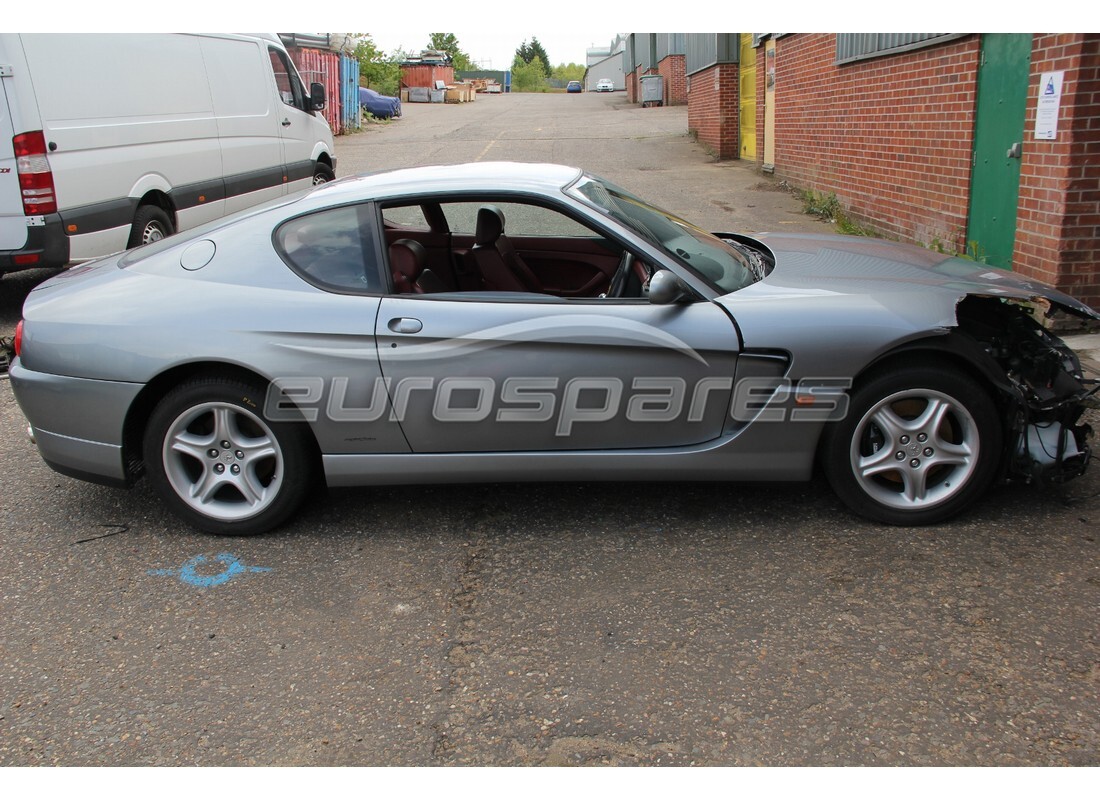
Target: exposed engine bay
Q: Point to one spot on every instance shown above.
(1043, 389)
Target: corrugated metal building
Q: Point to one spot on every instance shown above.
(610, 67)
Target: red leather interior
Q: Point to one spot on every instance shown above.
(408, 264)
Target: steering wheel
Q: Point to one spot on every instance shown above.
(618, 280)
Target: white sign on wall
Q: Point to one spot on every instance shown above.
(1050, 99)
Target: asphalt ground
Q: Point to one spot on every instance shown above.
(540, 624)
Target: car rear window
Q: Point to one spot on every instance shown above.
(333, 249)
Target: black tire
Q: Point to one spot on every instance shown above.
(322, 173)
(151, 224)
(917, 446)
(219, 464)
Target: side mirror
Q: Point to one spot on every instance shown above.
(317, 96)
(665, 287)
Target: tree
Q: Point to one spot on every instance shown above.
(568, 72)
(529, 52)
(528, 76)
(448, 43)
(376, 70)
(539, 52)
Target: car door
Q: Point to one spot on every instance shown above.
(500, 372)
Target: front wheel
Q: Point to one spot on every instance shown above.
(322, 173)
(917, 446)
(219, 464)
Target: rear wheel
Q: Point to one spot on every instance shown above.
(151, 224)
(918, 445)
(219, 464)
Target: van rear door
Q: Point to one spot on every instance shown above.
(13, 223)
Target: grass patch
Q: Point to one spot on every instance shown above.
(827, 207)
(974, 250)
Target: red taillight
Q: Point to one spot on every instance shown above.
(35, 177)
(19, 337)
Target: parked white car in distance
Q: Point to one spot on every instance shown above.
(605, 85)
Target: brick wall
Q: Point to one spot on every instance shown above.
(1058, 224)
(673, 70)
(712, 109)
(890, 136)
(633, 90)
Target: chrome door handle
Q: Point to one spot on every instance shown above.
(405, 325)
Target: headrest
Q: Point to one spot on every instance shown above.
(490, 225)
(408, 258)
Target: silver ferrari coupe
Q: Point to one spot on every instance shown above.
(532, 322)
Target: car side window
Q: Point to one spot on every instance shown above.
(523, 219)
(409, 217)
(523, 249)
(333, 249)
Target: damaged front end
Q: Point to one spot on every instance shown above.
(1044, 391)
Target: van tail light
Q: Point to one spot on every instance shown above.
(18, 337)
(35, 176)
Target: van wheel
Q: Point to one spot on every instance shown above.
(151, 224)
(323, 173)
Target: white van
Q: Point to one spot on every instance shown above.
(108, 141)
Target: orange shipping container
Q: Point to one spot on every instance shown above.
(426, 75)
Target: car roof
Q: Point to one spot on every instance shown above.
(491, 176)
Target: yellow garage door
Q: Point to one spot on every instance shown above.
(748, 97)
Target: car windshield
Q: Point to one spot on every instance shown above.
(726, 266)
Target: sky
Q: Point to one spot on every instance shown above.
(491, 31)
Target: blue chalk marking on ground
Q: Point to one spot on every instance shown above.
(189, 574)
